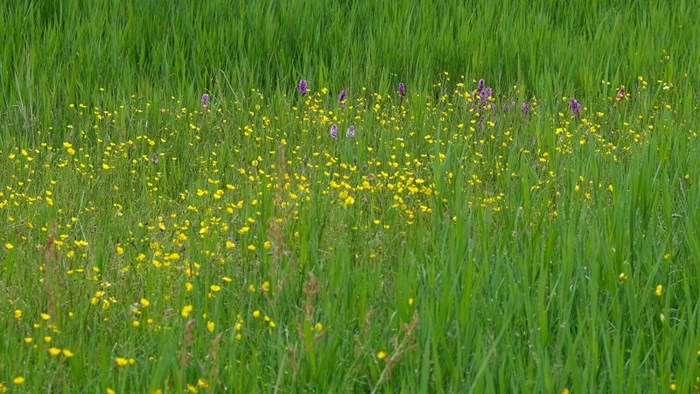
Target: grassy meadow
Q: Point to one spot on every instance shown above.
(485, 197)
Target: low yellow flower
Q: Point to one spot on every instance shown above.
(18, 380)
(659, 290)
(381, 355)
(186, 310)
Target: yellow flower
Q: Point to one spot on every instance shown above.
(318, 326)
(144, 302)
(266, 286)
(659, 290)
(54, 351)
(67, 353)
(410, 301)
(111, 391)
(45, 316)
(18, 313)
(120, 250)
(210, 326)
(9, 246)
(215, 288)
(18, 380)
(381, 355)
(256, 313)
(121, 361)
(186, 310)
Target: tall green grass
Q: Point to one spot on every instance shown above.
(149, 244)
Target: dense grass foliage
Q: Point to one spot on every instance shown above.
(534, 231)
(55, 53)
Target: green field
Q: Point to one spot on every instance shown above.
(539, 233)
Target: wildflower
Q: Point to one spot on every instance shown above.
(9, 246)
(402, 90)
(525, 109)
(121, 361)
(302, 87)
(342, 96)
(659, 290)
(480, 87)
(351, 132)
(67, 353)
(256, 313)
(154, 158)
(621, 94)
(575, 107)
(186, 310)
(18, 380)
(54, 351)
(205, 101)
(334, 131)
(381, 355)
(18, 313)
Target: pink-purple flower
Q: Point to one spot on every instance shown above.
(575, 107)
(402, 90)
(525, 108)
(302, 87)
(342, 96)
(351, 132)
(621, 94)
(205, 101)
(334, 131)
(483, 92)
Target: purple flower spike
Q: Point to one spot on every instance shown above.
(342, 96)
(351, 132)
(525, 108)
(621, 94)
(334, 131)
(480, 87)
(302, 87)
(575, 107)
(483, 97)
(402, 90)
(205, 101)
(154, 158)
